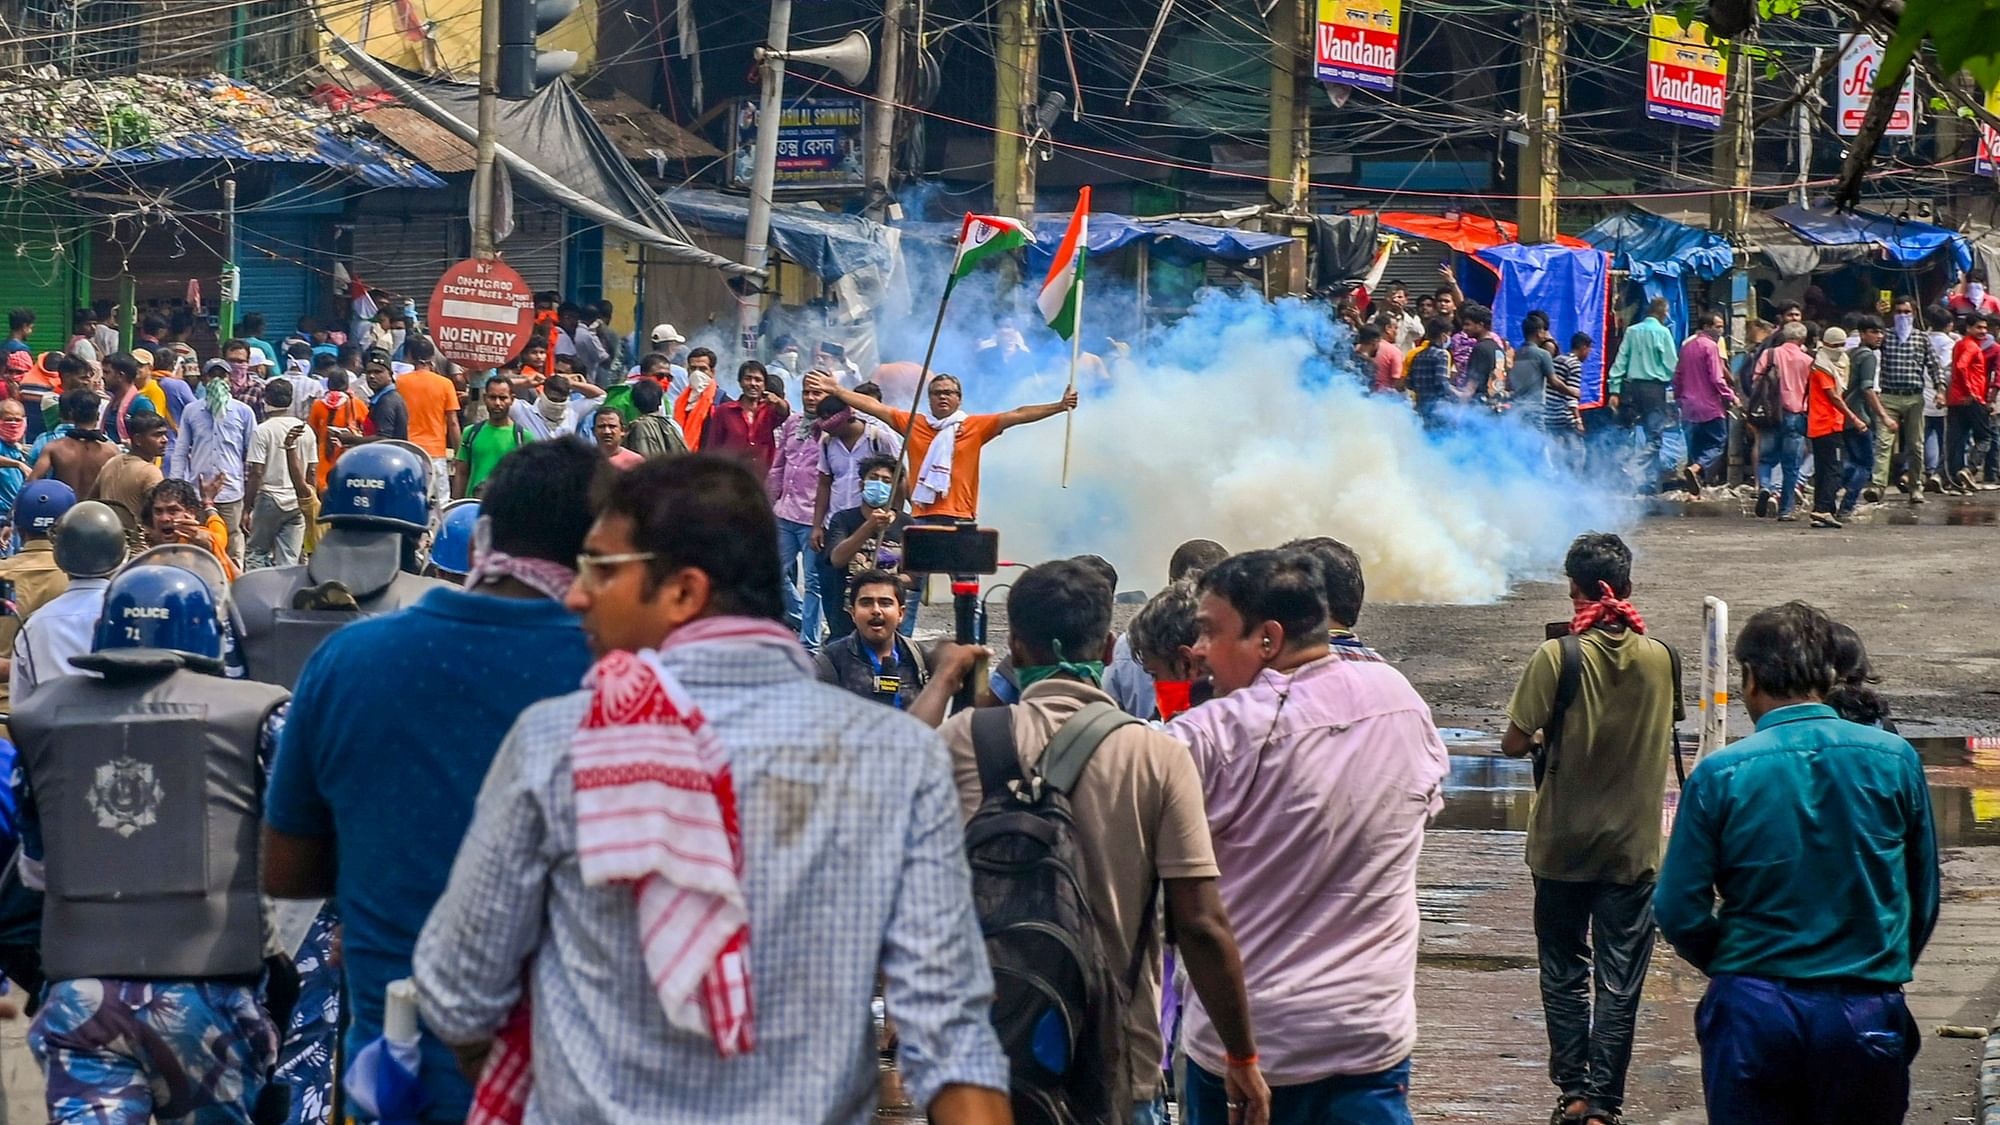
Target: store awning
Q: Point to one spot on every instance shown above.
(1467, 234)
(83, 124)
(1646, 245)
(830, 245)
(1782, 249)
(1180, 241)
(1903, 242)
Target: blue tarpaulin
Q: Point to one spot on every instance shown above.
(1173, 240)
(1643, 244)
(1567, 284)
(1903, 242)
(1659, 256)
(828, 244)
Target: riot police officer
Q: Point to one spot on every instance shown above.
(377, 507)
(89, 545)
(153, 933)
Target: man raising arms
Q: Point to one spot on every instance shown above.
(945, 479)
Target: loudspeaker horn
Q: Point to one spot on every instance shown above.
(849, 57)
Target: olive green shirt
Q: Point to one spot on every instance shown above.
(1597, 815)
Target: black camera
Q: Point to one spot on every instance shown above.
(960, 548)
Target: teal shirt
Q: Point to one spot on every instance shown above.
(1803, 852)
(1648, 354)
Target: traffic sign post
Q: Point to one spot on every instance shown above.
(481, 312)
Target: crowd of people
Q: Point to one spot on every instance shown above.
(1899, 400)
(764, 844)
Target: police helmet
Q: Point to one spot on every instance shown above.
(383, 485)
(40, 505)
(89, 540)
(451, 548)
(199, 560)
(160, 607)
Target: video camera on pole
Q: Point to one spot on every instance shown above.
(965, 551)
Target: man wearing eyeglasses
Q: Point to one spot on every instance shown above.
(804, 842)
(463, 664)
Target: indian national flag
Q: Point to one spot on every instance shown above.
(983, 237)
(1062, 293)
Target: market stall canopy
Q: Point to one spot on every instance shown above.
(830, 246)
(1782, 249)
(79, 124)
(1467, 234)
(1903, 242)
(1180, 241)
(1647, 246)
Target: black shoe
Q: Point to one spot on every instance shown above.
(1763, 502)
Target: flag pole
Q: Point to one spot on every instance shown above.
(1075, 350)
(903, 466)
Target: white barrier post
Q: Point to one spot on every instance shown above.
(1714, 676)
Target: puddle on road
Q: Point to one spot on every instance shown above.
(1494, 794)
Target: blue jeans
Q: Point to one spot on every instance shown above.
(1858, 467)
(1344, 1099)
(1779, 456)
(1775, 1050)
(1707, 442)
(795, 541)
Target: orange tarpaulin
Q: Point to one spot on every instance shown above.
(1467, 234)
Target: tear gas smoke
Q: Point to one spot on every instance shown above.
(1233, 424)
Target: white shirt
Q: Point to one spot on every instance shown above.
(306, 390)
(267, 448)
(55, 634)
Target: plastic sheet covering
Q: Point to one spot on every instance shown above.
(1566, 283)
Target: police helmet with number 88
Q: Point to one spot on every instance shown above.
(153, 606)
(384, 484)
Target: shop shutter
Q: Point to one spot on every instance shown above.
(39, 268)
(279, 257)
(536, 248)
(406, 254)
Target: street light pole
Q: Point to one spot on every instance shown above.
(489, 108)
(764, 173)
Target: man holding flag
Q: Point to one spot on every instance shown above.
(944, 481)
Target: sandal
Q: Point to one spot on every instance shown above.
(1563, 1114)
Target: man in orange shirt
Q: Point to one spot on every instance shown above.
(432, 400)
(944, 481)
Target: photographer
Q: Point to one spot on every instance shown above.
(1594, 833)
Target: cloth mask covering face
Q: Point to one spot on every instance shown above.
(1172, 697)
(13, 431)
(1905, 324)
(875, 493)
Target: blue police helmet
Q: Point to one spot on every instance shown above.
(40, 505)
(382, 485)
(159, 607)
(451, 547)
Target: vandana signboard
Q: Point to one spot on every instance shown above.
(1685, 74)
(1355, 43)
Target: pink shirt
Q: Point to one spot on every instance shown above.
(1794, 364)
(1317, 807)
(622, 459)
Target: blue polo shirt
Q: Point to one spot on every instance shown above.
(1815, 835)
(391, 729)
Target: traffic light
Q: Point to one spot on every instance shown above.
(525, 67)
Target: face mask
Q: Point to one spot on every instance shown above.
(1172, 697)
(239, 370)
(396, 336)
(874, 493)
(551, 409)
(1905, 323)
(700, 381)
(215, 392)
(833, 425)
(13, 431)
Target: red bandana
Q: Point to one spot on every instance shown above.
(1609, 609)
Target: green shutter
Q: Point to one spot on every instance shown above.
(40, 261)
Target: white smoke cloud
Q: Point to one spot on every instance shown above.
(1234, 425)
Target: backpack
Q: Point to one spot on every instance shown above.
(1569, 679)
(1763, 408)
(1058, 1006)
(472, 431)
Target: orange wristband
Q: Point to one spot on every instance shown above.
(1233, 1061)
